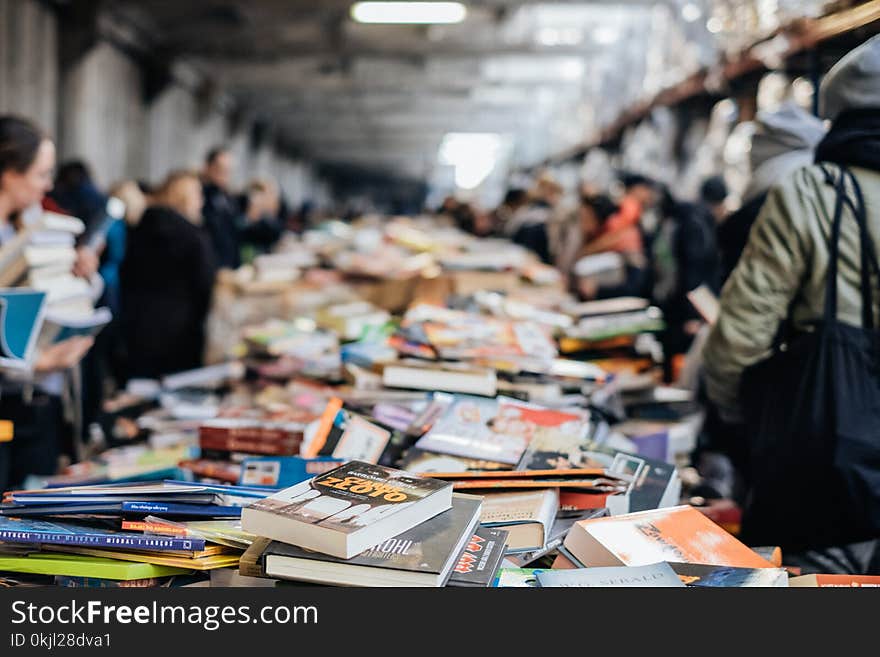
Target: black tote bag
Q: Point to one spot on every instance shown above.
(813, 411)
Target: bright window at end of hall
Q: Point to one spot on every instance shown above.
(474, 155)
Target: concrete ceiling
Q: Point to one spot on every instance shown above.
(545, 74)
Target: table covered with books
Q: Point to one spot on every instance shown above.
(393, 404)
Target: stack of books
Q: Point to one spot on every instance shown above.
(124, 532)
(367, 525)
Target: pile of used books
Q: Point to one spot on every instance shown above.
(451, 417)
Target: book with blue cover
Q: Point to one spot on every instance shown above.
(18, 531)
(22, 312)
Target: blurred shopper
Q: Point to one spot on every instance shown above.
(784, 141)
(221, 212)
(713, 194)
(794, 350)
(261, 208)
(607, 227)
(684, 257)
(167, 281)
(76, 194)
(109, 343)
(515, 199)
(32, 404)
(530, 227)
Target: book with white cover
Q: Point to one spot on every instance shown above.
(349, 509)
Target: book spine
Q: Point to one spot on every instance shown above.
(257, 433)
(250, 447)
(181, 509)
(146, 542)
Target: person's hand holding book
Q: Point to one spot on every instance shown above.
(63, 355)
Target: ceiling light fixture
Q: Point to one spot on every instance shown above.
(409, 13)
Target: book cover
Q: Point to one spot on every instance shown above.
(60, 533)
(284, 471)
(679, 534)
(473, 427)
(119, 508)
(209, 510)
(346, 435)
(836, 581)
(421, 461)
(479, 563)
(696, 574)
(429, 548)
(650, 575)
(517, 577)
(339, 509)
(21, 318)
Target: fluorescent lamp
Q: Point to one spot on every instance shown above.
(408, 12)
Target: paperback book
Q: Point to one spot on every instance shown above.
(348, 510)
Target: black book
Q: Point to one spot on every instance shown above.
(422, 556)
(481, 558)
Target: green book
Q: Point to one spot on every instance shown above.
(74, 565)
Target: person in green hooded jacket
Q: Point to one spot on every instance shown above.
(782, 271)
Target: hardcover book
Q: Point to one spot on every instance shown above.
(527, 516)
(348, 510)
(421, 556)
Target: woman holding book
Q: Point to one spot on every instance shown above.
(27, 161)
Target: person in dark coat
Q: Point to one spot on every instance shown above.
(167, 279)
(221, 211)
(685, 257)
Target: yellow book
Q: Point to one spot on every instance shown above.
(202, 563)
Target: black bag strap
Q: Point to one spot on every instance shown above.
(869, 264)
(833, 249)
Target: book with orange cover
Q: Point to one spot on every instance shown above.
(599, 486)
(677, 534)
(521, 474)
